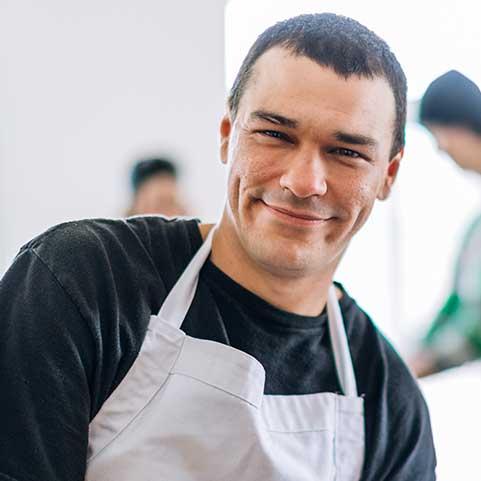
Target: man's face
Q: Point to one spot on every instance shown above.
(308, 154)
(460, 143)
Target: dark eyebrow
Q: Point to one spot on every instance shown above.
(355, 139)
(274, 118)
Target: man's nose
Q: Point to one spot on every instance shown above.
(305, 176)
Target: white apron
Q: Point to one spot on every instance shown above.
(195, 410)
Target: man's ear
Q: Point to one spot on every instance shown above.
(225, 130)
(390, 175)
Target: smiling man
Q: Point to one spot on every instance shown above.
(152, 349)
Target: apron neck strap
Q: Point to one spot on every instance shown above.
(340, 346)
(176, 305)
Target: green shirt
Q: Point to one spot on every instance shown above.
(455, 335)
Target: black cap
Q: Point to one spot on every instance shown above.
(452, 99)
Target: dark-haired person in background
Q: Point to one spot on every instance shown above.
(155, 188)
(149, 349)
(451, 111)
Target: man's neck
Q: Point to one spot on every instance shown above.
(299, 294)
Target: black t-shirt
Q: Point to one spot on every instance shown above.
(74, 308)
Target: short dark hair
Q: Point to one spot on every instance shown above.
(452, 99)
(332, 41)
(146, 168)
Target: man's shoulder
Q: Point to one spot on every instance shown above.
(132, 249)
(74, 234)
(83, 230)
(87, 237)
(374, 354)
(396, 413)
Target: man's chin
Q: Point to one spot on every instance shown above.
(283, 256)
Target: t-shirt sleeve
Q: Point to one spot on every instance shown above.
(399, 429)
(46, 361)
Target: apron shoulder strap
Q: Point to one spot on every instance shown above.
(178, 301)
(340, 346)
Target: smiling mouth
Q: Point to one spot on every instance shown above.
(298, 217)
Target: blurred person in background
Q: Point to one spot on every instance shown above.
(155, 188)
(451, 110)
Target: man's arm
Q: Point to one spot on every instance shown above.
(454, 337)
(398, 429)
(46, 360)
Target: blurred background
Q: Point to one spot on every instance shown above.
(88, 88)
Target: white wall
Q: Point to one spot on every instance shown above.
(87, 86)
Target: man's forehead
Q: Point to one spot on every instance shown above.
(297, 87)
(280, 67)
